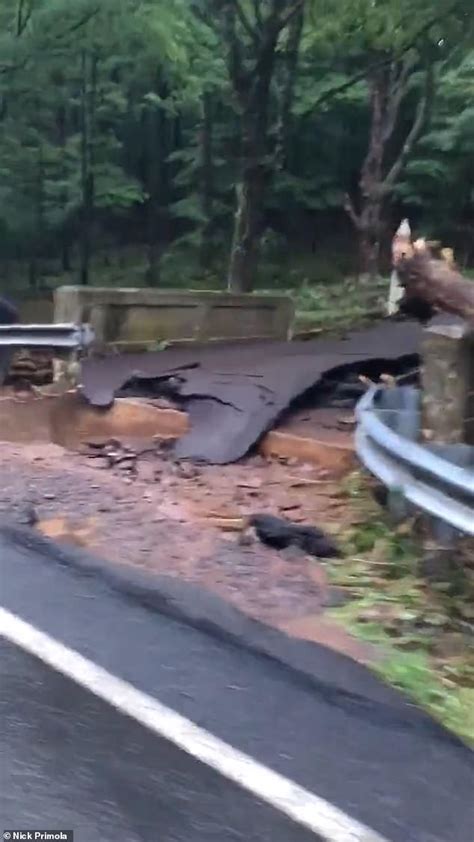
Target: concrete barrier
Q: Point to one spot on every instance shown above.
(137, 319)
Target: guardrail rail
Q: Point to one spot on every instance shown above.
(60, 337)
(439, 479)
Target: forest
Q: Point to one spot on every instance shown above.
(233, 143)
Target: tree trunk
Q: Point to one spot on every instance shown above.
(247, 230)
(437, 284)
(84, 241)
(65, 252)
(207, 179)
(248, 222)
(64, 234)
(369, 253)
(37, 239)
(88, 103)
(388, 87)
(154, 249)
(157, 130)
(287, 88)
(251, 83)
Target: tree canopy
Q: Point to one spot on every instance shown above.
(206, 131)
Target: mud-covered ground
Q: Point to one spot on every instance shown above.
(133, 504)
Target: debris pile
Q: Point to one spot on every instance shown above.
(31, 367)
(124, 457)
(153, 464)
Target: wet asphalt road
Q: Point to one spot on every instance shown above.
(68, 759)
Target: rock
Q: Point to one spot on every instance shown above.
(280, 534)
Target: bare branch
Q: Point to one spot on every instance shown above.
(414, 133)
(362, 74)
(246, 25)
(234, 60)
(81, 22)
(257, 10)
(351, 211)
(396, 95)
(297, 7)
(23, 17)
(290, 66)
(373, 160)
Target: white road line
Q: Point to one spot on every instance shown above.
(309, 810)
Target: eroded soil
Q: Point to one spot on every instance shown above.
(133, 504)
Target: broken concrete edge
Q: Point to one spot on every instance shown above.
(68, 422)
(174, 423)
(335, 677)
(337, 458)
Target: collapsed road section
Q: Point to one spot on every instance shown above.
(235, 393)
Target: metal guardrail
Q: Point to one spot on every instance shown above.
(68, 336)
(439, 479)
(60, 337)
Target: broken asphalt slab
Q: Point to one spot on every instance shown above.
(235, 393)
(334, 677)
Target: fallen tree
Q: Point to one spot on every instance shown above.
(430, 284)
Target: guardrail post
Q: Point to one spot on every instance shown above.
(448, 384)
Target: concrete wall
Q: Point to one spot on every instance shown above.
(135, 319)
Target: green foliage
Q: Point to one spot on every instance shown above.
(119, 123)
(440, 178)
(423, 644)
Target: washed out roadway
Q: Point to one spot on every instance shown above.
(235, 393)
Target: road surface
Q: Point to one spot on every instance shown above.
(69, 759)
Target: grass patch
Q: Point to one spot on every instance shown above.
(339, 305)
(423, 630)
